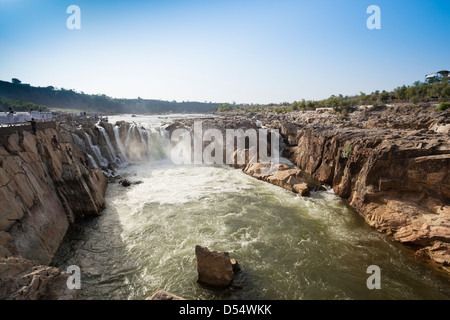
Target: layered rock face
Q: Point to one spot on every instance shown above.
(49, 181)
(43, 188)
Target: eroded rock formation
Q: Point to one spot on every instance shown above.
(22, 279)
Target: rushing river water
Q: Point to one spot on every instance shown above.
(288, 247)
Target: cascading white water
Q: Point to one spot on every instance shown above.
(79, 142)
(98, 153)
(123, 154)
(111, 151)
(82, 147)
(92, 161)
(133, 147)
(289, 247)
(130, 130)
(144, 139)
(142, 143)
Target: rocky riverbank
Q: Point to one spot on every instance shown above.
(393, 167)
(48, 181)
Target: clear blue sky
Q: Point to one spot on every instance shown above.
(223, 51)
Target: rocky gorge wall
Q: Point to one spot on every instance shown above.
(45, 187)
(393, 166)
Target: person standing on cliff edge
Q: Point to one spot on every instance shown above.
(33, 125)
(10, 116)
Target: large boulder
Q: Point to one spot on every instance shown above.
(214, 268)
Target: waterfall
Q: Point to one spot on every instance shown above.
(98, 153)
(111, 151)
(92, 161)
(158, 144)
(136, 147)
(130, 129)
(123, 153)
(143, 143)
(144, 134)
(79, 143)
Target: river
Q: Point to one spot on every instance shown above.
(289, 247)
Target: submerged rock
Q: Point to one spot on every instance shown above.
(125, 183)
(163, 295)
(236, 266)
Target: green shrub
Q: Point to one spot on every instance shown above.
(443, 106)
(414, 99)
(347, 151)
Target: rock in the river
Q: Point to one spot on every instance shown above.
(301, 188)
(125, 183)
(236, 266)
(214, 268)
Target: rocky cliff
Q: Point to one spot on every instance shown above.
(47, 185)
(43, 187)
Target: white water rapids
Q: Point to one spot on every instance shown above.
(289, 247)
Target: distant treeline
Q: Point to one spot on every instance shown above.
(16, 93)
(18, 105)
(70, 99)
(418, 92)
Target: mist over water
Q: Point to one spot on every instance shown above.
(288, 247)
